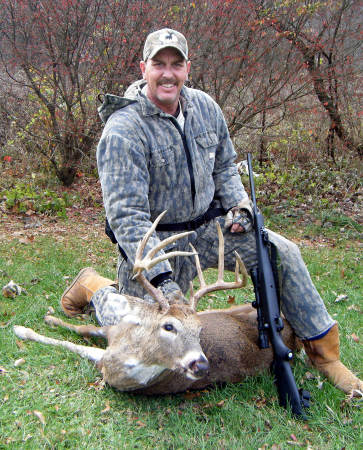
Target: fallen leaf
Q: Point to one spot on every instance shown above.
(19, 362)
(231, 299)
(40, 416)
(140, 424)
(108, 407)
(97, 385)
(220, 404)
(26, 240)
(190, 395)
(353, 308)
(310, 376)
(293, 437)
(354, 337)
(341, 298)
(19, 344)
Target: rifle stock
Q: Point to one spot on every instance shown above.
(268, 315)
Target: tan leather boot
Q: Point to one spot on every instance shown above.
(79, 293)
(324, 355)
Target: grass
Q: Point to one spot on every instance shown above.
(56, 400)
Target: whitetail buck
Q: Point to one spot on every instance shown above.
(170, 348)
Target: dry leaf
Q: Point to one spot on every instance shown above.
(19, 362)
(108, 407)
(40, 416)
(310, 376)
(231, 299)
(353, 308)
(19, 344)
(354, 337)
(341, 298)
(97, 385)
(221, 403)
(26, 240)
(190, 395)
(140, 424)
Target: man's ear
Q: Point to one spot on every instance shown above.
(142, 68)
(188, 70)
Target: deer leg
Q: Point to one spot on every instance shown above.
(83, 330)
(94, 354)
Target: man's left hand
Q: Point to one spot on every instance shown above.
(239, 218)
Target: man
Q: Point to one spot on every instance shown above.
(167, 147)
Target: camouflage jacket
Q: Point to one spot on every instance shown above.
(147, 164)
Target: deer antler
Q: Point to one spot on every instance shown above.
(220, 283)
(148, 261)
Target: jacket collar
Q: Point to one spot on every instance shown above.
(148, 108)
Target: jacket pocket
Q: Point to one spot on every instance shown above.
(207, 144)
(161, 156)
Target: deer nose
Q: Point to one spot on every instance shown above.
(199, 367)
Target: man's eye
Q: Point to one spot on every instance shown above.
(168, 327)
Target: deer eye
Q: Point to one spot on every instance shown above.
(168, 327)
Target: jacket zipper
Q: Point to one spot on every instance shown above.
(189, 159)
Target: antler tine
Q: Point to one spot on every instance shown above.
(147, 262)
(144, 240)
(220, 284)
(240, 269)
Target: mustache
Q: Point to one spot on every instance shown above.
(167, 81)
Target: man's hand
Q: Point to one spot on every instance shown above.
(239, 218)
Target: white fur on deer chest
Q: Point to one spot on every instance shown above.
(142, 374)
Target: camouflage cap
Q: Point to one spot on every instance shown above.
(166, 37)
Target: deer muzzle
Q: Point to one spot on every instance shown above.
(198, 368)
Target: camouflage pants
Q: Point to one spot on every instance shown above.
(300, 302)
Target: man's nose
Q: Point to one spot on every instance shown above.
(168, 72)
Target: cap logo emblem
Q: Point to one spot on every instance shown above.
(170, 37)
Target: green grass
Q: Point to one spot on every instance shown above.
(80, 413)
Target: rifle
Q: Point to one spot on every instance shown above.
(269, 321)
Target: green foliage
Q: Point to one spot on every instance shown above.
(24, 197)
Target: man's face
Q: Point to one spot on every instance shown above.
(165, 74)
